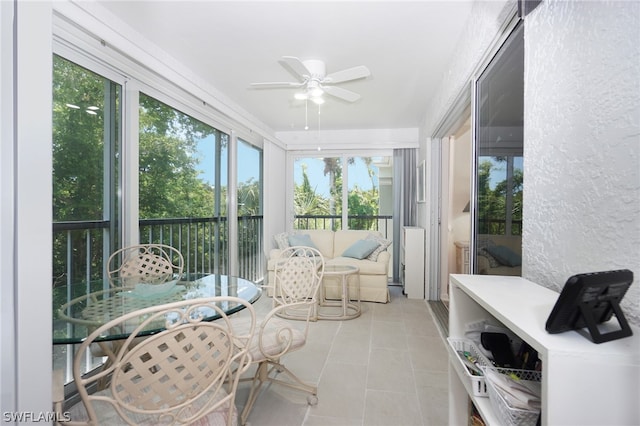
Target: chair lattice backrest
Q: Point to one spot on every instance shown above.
(177, 376)
(297, 277)
(145, 263)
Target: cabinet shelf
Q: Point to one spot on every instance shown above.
(582, 382)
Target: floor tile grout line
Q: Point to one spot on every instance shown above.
(322, 370)
(415, 382)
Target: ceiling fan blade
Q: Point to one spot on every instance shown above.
(296, 65)
(341, 93)
(348, 74)
(276, 84)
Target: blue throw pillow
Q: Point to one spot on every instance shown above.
(301, 240)
(382, 246)
(361, 249)
(505, 255)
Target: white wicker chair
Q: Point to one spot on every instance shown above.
(297, 279)
(144, 263)
(186, 374)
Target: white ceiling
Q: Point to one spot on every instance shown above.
(406, 45)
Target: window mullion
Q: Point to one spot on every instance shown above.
(345, 191)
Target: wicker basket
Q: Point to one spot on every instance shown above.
(478, 385)
(508, 414)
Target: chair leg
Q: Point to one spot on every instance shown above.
(57, 393)
(259, 378)
(297, 383)
(263, 374)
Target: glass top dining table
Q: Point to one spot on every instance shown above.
(81, 308)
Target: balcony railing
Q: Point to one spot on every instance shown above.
(81, 250)
(498, 227)
(381, 223)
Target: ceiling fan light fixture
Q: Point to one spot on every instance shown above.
(316, 92)
(317, 100)
(312, 76)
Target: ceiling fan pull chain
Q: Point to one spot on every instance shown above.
(306, 118)
(318, 121)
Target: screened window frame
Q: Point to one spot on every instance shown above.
(293, 156)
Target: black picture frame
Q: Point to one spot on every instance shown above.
(421, 182)
(590, 299)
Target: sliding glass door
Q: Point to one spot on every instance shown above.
(499, 171)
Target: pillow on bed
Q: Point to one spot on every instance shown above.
(493, 262)
(505, 255)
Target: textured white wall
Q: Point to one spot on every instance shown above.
(582, 142)
(483, 26)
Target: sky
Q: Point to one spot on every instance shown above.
(248, 156)
(499, 170)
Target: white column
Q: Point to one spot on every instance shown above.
(32, 205)
(232, 203)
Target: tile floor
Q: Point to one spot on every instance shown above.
(386, 368)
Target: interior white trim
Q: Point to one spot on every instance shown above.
(354, 139)
(8, 375)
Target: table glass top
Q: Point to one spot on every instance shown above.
(95, 303)
(340, 269)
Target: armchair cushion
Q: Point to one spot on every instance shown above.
(361, 249)
(278, 336)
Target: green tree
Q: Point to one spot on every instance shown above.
(78, 142)
(362, 203)
(170, 186)
(306, 200)
(249, 198)
(492, 207)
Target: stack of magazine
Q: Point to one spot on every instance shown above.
(517, 393)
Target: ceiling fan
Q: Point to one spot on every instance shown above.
(314, 81)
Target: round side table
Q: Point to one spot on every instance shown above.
(350, 307)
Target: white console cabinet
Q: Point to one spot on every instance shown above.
(583, 383)
(412, 262)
